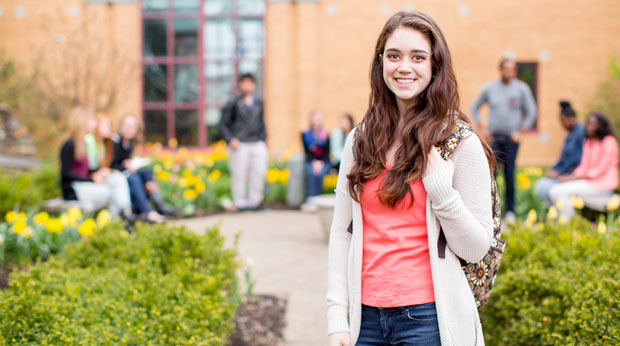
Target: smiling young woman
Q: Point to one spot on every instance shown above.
(386, 283)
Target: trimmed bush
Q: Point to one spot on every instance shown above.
(557, 285)
(162, 286)
(28, 190)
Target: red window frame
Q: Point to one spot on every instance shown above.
(170, 60)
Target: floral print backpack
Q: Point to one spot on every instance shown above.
(481, 275)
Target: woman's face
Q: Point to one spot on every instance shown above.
(567, 122)
(591, 127)
(407, 69)
(129, 128)
(104, 127)
(91, 124)
(316, 121)
(345, 124)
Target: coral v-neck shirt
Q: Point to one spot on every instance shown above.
(396, 269)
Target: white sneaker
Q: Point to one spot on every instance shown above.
(509, 217)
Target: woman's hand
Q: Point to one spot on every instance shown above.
(317, 166)
(128, 167)
(566, 177)
(436, 163)
(99, 177)
(339, 339)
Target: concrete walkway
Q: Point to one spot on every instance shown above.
(289, 255)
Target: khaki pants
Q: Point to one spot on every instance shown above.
(249, 158)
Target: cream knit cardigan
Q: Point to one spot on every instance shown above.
(460, 201)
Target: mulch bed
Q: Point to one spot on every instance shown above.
(260, 321)
(4, 277)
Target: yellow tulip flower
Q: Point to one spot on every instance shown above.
(560, 204)
(172, 142)
(74, 213)
(10, 217)
(577, 202)
(41, 218)
(163, 176)
(87, 228)
(103, 218)
(200, 187)
(613, 203)
(215, 175)
(19, 227)
(190, 194)
(531, 218)
(54, 225)
(553, 213)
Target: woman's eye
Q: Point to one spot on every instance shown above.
(392, 56)
(419, 57)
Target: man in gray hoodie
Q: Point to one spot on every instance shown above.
(512, 109)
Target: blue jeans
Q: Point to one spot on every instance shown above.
(407, 325)
(314, 182)
(506, 155)
(139, 197)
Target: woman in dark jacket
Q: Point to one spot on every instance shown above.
(78, 181)
(141, 184)
(316, 148)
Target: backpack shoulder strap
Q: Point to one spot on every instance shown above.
(460, 131)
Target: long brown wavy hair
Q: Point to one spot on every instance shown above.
(426, 123)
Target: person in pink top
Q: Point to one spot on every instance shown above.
(596, 177)
(387, 284)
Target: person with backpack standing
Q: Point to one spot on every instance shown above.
(390, 280)
(243, 128)
(512, 109)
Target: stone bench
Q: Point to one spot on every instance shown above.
(323, 206)
(58, 205)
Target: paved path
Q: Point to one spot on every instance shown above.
(289, 256)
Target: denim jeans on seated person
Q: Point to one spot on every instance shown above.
(407, 325)
(137, 187)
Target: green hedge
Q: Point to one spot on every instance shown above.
(557, 285)
(29, 189)
(160, 286)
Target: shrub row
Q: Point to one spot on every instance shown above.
(159, 286)
(28, 190)
(557, 285)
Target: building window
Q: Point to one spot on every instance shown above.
(528, 72)
(193, 52)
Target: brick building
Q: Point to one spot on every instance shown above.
(186, 54)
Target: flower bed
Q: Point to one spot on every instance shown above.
(526, 198)
(198, 180)
(25, 237)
